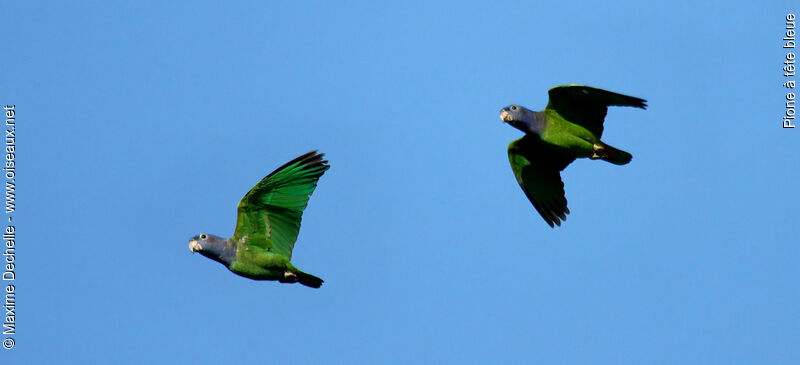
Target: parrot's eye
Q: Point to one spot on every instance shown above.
(203, 236)
(513, 107)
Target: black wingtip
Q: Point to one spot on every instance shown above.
(635, 102)
(310, 160)
(551, 215)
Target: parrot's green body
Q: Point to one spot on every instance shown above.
(565, 134)
(261, 265)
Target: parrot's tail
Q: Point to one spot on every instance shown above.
(308, 279)
(611, 154)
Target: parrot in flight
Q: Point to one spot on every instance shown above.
(267, 225)
(569, 127)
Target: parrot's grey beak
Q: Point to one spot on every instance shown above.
(194, 246)
(504, 116)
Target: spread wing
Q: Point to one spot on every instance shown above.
(537, 168)
(270, 213)
(587, 106)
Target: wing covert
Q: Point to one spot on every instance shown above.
(270, 213)
(587, 106)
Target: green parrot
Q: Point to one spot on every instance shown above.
(569, 127)
(267, 225)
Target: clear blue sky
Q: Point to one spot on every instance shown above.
(141, 124)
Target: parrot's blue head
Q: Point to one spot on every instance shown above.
(520, 117)
(214, 247)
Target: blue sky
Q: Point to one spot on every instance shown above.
(142, 124)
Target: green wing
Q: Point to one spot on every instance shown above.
(270, 213)
(537, 167)
(587, 106)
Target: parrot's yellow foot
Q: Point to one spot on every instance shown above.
(289, 277)
(599, 152)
